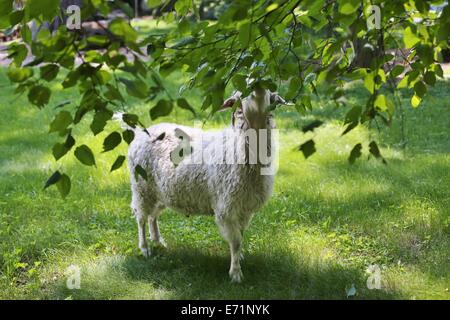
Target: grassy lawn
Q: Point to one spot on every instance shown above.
(326, 223)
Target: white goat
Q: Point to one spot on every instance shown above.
(230, 192)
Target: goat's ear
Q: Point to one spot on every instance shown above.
(228, 103)
(275, 99)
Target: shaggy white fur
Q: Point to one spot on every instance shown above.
(230, 192)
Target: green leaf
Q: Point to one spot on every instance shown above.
(308, 148)
(64, 185)
(397, 70)
(353, 115)
(420, 89)
(355, 153)
(99, 121)
(430, 78)
(239, 82)
(425, 53)
(438, 70)
(139, 171)
(125, 8)
(39, 95)
(182, 7)
(183, 104)
(16, 17)
(26, 34)
(128, 136)
(49, 72)
(294, 87)
(136, 88)
(85, 155)
(415, 101)
(47, 9)
(443, 33)
(130, 119)
(61, 121)
(118, 163)
(60, 149)
(113, 93)
(206, 102)
(71, 79)
(349, 6)
(54, 178)
(381, 102)
(122, 28)
(112, 141)
(244, 35)
(19, 74)
(154, 3)
(369, 82)
(6, 6)
(306, 101)
(410, 38)
(163, 108)
(17, 52)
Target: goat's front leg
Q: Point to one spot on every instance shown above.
(235, 267)
(232, 232)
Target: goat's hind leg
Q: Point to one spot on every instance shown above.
(142, 236)
(155, 235)
(142, 209)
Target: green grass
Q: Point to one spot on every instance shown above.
(325, 224)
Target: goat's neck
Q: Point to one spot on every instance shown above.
(251, 141)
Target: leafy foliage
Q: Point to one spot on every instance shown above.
(294, 47)
(139, 171)
(112, 141)
(118, 163)
(62, 181)
(85, 155)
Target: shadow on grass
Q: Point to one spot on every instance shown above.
(187, 273)
(267, 276)
(401, 207)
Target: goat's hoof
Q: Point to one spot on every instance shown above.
(146, 252)
(162, 243)
(236, 276)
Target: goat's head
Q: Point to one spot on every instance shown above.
(253, 111)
